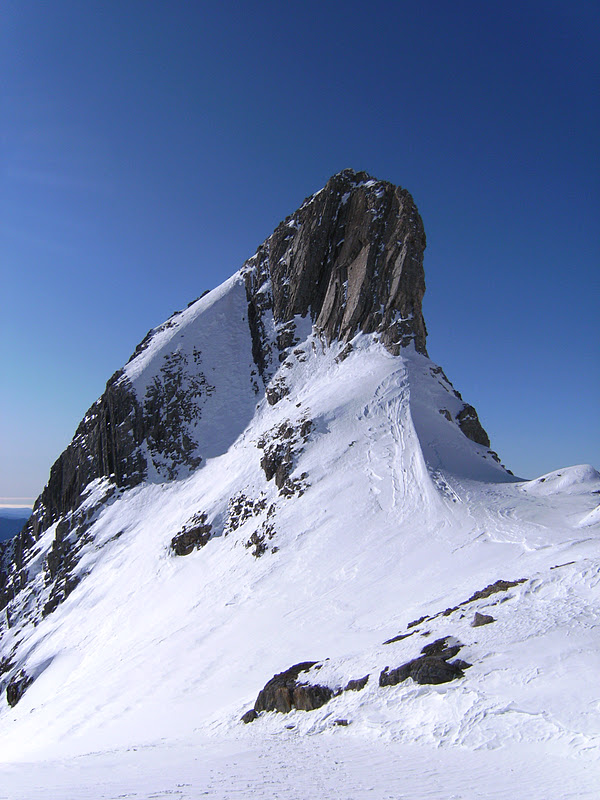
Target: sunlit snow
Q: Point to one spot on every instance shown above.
(143, 673)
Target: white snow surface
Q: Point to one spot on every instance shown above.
(142, 674)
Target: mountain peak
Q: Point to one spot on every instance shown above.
(348, 262)
(281, 476)
(352, 257)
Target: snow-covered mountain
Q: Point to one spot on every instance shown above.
(280, 476)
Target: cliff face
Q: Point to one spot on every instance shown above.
(352, 258)
(349, 260)
(106, 444)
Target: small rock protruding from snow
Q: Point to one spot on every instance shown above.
(482, 619)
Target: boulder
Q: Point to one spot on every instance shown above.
(481, 619)
(356, 685)
(193, 536)
(441, 648)
(431, 667)
(284, 691)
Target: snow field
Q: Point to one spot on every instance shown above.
(143, 672)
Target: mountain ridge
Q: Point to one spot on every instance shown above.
(349, 259)
(222, 515)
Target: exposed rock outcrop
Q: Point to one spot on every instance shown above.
(494, 588)
(356, 685)
(194, 535)
(284, 691)
(352, 258)
(469, 424)
(281, 447)
(16, 688)
(482, 619)
(432, 667)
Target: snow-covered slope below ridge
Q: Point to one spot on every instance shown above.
(150, 645)
(337, 501)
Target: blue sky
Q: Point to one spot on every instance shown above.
(147, 148)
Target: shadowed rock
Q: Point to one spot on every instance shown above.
(284, 691)
(352, 257)
(427, 669)
(193, 536)
(481, 619)
(469, 424)
(16, 688)
(441, 648)
(307, 697)
(431, 667)
(493, 588)
(356, 685)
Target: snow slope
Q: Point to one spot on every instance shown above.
(264, 495)
(393, 515)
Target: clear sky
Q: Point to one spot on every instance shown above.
(147, 147)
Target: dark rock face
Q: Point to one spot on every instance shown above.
(106, 444)
(173, 400)
(109, 443)
(428, 669)
(307, 697)
(469, 424)
(195, 534)
(16, 688)
(357, 684)
(441, 648)
(259, 538)
(284, 692)
(494, 588)
(432, 667)
(352, 258)
(281, 447)
(482, 619)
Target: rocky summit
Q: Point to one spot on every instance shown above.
(279, 476)
(349, 260)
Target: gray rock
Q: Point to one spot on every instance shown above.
(441, 648)
(307, 697)
(352, 258)
(16, 688)
(481, 619)
(431, 667)
(357, 684)
(494, 588)
(284, 691)
(426, 670)
(469, 424)
(193, 536)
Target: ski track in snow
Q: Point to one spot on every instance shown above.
(288, 768)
